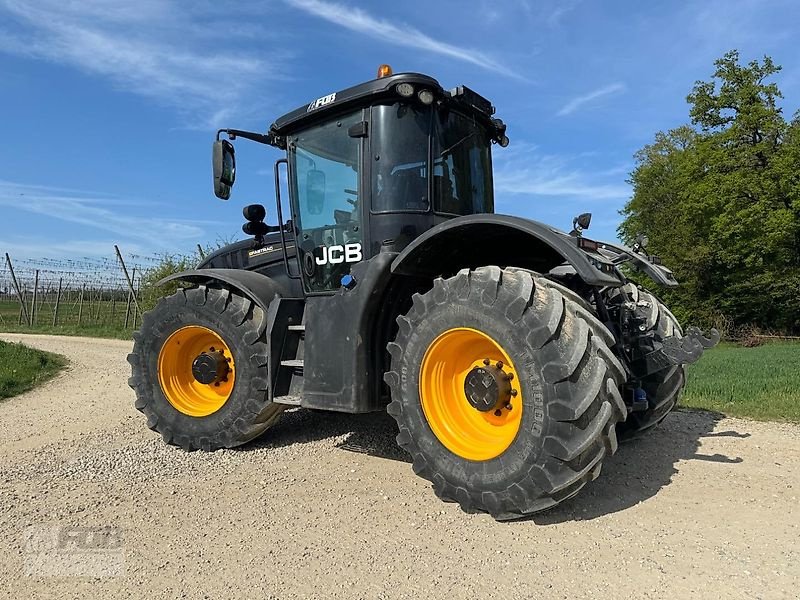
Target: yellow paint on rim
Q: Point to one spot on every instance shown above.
(462, 429)
(181, 389)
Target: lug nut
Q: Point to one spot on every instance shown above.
(514, 393)
(499, 364)
(212, 349)
(498, 413)
(510, 376)
(508, 406)
(487, 362)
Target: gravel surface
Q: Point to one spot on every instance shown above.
(326, 506)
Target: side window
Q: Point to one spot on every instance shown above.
(325, 162)
(462, 171)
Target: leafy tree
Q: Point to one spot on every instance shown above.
(720, 201)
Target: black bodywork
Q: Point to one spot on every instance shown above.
(349, 316)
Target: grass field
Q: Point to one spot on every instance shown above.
(21, 368)
(758, 383)
(97, 318)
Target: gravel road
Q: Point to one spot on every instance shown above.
(326, 506)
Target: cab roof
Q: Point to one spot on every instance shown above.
(369, 92)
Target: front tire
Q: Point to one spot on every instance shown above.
(225, 412)
(561, 425)
(663, 388)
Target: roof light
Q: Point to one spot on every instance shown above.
(406, 90)
(384, 71)
(425, 96)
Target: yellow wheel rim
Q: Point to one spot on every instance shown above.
(181, 389)
(464, 430)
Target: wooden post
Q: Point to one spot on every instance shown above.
(80, 305)
(35, 294)
(18, 290)
(99, 306)
(58, 300)
(127, 277)
(130, 297)
(200, 252)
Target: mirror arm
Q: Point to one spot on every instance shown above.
(269, 138)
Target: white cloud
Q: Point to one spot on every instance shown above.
(101, 213)
(574, 104)
(160, 50)
(360, 21)
(525, 171)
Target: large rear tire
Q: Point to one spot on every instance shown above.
(495, 325)
(664, 387)
(223, 413)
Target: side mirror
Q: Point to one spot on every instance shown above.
(315, 191)
(223, 161)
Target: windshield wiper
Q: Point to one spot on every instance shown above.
(458, 143)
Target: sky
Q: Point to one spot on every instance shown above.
(109, 107)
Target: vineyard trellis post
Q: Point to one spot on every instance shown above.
(130, 284)
(80, 304)
(35, 294)
(58, 301)
(23, 308)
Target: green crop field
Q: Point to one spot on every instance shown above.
(21, 368)
(758, 383)
(96, 318)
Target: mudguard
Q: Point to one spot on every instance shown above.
(259, 288)
(504, 240)
(657, 273)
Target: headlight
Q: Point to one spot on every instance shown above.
(406, 90)
(425, 96)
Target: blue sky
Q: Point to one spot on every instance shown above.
(109, 106)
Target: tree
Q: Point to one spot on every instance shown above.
(720, 201)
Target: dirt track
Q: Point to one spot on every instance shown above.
(326, 506)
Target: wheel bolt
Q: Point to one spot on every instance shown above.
(499, 364)
(508, 406)
(510, 376)
(514, 393)
(487, 362)
(212, 348)
(498, 413)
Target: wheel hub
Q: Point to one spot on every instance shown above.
(210, 367)
(488, 387)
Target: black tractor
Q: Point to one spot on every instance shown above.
(511, 354)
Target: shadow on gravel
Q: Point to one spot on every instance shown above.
(372, 433)
(637, 472)
(641, 467)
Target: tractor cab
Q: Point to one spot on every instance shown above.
(373, 167)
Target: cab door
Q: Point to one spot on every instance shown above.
(325, 183)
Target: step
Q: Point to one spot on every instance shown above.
(293, 364)
(297, 327)
(290, 400)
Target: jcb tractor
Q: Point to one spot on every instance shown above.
(512, 355)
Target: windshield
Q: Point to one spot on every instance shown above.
(400, 137)
(462, 171)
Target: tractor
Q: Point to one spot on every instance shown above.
(512, 355)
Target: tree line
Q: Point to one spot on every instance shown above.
(719, 200)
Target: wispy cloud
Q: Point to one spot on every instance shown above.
(161, 50)
(579, 101)
(102, 214)
(362, 22)
(526, 171)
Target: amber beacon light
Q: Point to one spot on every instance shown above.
(384, 71)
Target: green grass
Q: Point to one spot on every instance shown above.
(757, 383)
(99, 319)
(22, 368)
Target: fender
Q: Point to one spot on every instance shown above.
(658, 273)
(259, 288)
(503, 240)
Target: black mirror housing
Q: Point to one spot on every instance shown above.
(223, 161)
